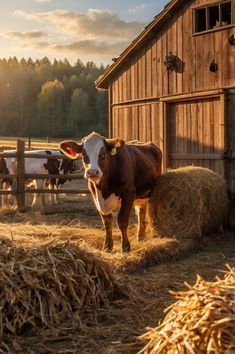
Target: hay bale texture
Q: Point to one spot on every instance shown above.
(201, 321)
(187, 202)
(51, 286)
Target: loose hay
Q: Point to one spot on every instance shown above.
(187, 202)
(201, 321)
(50, 287)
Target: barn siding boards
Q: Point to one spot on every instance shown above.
(182, 111)
(140, 122)
(194, 138)
(231, 138)
(231, 58)
(148, 70)
(154, 72)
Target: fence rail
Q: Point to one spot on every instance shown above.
(20, 176)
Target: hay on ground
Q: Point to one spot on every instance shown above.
(50, 287)
(201, 321)
(187, 202)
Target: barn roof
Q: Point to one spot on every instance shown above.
(169, 9)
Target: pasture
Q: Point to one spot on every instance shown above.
(142, 278)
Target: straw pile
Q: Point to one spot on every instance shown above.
(50, 287)
(187, 202)
(201, 321)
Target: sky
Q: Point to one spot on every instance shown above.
(88, 30)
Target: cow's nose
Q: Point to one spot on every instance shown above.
(92, 172)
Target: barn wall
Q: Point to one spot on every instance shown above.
(137, 122)
(141, 95)
(196, 134)
(231, 138)
(145, 75)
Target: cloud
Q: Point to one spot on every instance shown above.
(25, 35)
(42, 1)
(85, 47)
(90, 25)
(94, 34)
(136, 9)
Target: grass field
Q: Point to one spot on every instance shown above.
(35, 143)
(149, 272)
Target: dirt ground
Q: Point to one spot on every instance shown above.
(151, 270)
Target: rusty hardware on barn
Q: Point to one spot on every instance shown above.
(170, 62)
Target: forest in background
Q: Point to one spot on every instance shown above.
(51, 99)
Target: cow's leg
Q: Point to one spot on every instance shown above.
(141, 215)
(5, 197)
(108, 224)
(13, 186)
(57, 196)
(39, 198)
(41, 195)
(52, 196)
(123, 220)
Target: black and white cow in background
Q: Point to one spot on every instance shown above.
(8, 166)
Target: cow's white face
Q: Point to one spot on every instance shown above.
(94, 156)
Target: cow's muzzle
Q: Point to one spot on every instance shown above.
(93, 174)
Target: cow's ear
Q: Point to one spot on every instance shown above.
(70, 148)
(113, 144)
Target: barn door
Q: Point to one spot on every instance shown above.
(196, 133)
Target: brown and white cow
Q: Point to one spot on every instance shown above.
(120, 175)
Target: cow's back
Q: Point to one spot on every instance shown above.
(135, 167)
(146, 156)
(146, 164)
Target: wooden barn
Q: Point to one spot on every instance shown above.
(175, 85)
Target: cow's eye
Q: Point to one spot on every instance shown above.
(85, 157)
(103, 156)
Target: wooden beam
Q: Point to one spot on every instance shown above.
(58, 191)
(196, 157)
(47, 176)
(20, 196)
(191, 95)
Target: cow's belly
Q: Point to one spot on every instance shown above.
(106, 206)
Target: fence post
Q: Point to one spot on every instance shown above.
(20, 189)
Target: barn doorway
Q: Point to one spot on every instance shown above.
(196, 133)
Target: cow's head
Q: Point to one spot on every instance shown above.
(95, 150)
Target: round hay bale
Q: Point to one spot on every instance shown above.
(201, 321)
(187, 202)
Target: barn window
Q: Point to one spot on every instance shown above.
(212, 17)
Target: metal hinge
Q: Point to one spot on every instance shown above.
(229, 154)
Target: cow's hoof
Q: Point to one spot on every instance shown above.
(140, 238)
(107, 248)
(126, 247)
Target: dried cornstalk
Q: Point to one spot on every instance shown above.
(201, 321)
(49, 287)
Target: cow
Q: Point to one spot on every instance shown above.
(8, 166)
(120, 175)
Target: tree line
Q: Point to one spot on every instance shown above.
(40, 98)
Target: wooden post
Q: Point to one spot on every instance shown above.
(20, 189)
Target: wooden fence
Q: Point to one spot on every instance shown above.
(20, 176)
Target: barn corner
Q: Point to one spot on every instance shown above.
(175, 85)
